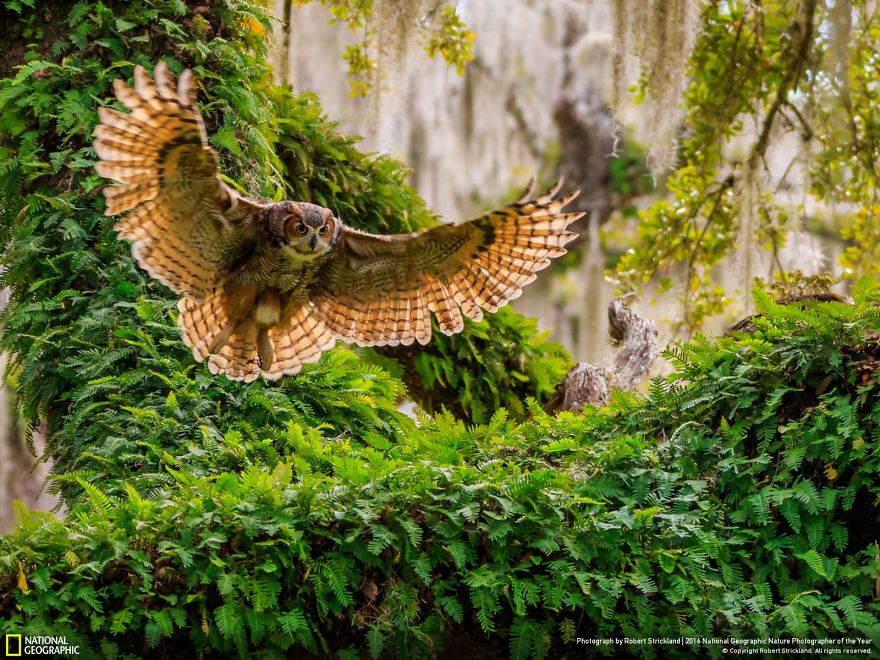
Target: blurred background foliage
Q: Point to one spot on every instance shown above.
(780, 130)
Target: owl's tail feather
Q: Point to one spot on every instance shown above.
(239, 358)
(243, 331)
(299, 338)
(220, 327)
(206, 324)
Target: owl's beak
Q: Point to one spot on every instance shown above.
(313, 240)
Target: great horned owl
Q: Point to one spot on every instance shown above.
(268, 286)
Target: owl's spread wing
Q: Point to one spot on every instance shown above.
(184, 223)
(380, 290)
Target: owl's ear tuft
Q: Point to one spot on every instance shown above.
(334, 225)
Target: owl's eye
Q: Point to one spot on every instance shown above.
(300, 228)
(323, 230)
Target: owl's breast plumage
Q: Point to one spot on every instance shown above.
(279, 267)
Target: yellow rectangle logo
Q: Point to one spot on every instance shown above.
(17, 648)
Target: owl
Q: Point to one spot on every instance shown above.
(267, 287)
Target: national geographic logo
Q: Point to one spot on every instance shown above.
(13, 646)
(17, 646)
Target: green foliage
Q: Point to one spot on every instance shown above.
(737, 64)
(846, 128)
(452, 40)
(727, 502)
(799, 68)
(497, 363)
(310, 515)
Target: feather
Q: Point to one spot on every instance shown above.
(450, 271)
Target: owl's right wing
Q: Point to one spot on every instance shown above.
(381, 290)
(184, 223)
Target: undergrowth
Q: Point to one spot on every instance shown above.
(737, 498)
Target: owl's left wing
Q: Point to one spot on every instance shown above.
(381, 290)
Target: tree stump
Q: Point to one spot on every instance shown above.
(636, 338)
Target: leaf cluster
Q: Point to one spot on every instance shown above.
(444, 35)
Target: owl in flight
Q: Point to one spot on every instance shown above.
(267, 287)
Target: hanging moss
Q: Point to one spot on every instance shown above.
(652, 42)
(389, 30)
(766, 141)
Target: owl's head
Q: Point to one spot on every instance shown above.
(307, 229)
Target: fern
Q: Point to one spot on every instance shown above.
(228, 620)
(375, 641)
(452, 607)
